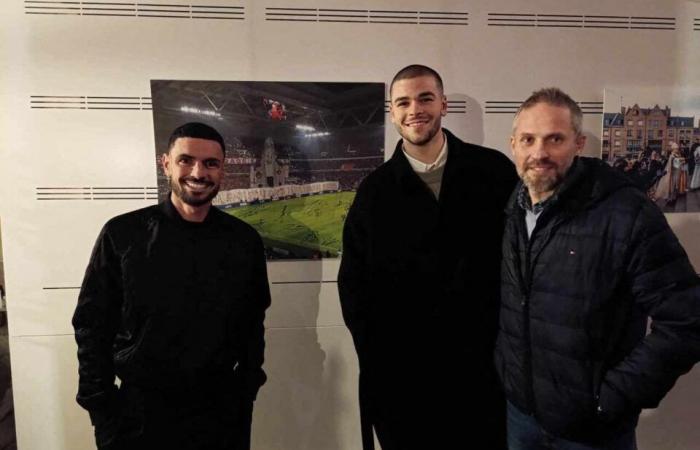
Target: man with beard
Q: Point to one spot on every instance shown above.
(419, 280)
(172, 303)
(587, 258)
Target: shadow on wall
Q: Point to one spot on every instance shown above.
(673, 425)
(295, 409)
(592, 148)
(467, 126)
(686, 226)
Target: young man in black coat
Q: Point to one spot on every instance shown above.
(586, 259)
(172, 303)
(419, 280)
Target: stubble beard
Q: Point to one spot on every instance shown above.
(182, 194)
(541, 183)
(420, 141)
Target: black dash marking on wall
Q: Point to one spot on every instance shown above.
(591, 107)
(457, 106)
(90, 102)
(443, 18)
(218, 17)
(135, 9)
(96, 193)
(580, 21)
(511, 107)
(393, 22)
(453, 106)
(332, 15)
(291, 9)
(57, 102)
(291, 14)
(341, 15)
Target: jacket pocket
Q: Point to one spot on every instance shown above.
(131, 411)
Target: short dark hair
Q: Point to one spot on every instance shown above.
(554, 96)
(196, 130)
(415, 71)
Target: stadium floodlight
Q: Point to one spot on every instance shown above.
(305, 127)
(203, 112)
(318, 134)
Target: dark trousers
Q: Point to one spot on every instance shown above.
(177, 420)
(422, 422)
(524, 433)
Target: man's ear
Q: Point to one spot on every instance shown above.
(580, 143)
(391, 114)
(165, 163)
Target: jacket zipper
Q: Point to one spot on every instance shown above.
(525, 303)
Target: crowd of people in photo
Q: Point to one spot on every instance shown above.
(667, 176)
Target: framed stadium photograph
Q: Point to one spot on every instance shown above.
(653, 136)
(295, 153)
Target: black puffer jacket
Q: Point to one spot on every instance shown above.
(576, 296)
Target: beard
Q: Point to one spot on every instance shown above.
(540, 183)
(419, 140)
(180, 190)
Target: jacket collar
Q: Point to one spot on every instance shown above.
(169, 210)
(587, 182)
(406, 176)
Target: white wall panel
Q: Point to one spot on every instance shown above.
(45, 380)
(304, 305)
(310, 400)
(673, 425)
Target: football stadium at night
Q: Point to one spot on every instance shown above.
(295, 152)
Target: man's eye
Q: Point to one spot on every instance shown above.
(213, 164)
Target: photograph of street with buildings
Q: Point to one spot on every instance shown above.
(653, 136)
(295, 153)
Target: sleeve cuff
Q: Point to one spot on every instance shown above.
(611, 404)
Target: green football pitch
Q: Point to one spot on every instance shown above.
(313, 223)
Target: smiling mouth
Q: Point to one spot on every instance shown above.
(197, 185)
(416, 123)
(540, 167)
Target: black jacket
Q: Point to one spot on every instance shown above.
(418, 287)
(168, 304)
(575, 298)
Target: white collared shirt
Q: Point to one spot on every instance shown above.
(421, 167)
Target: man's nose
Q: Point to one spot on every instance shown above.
(539, 150)
(414, 108)
(198, 169)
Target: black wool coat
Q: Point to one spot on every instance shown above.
(419, 286)
(572, 348)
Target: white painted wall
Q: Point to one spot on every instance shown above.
(310, 399)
